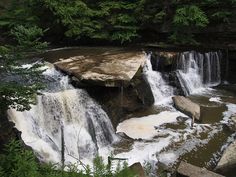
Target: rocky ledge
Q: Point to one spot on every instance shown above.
(227, 163)
(188, 107)
(110, 69)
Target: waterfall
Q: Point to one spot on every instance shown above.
(162, 92)
(197, 71)
(87, 128)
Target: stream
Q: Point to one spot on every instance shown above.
(162, 136)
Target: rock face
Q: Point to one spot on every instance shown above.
(233, 118)
(7, 131)
(163, 61)
(231, 68)
(232, 124)
(111, 69)
(120, 102)
(227, 162)
(186, 169)
(137, 169)
(188, 107)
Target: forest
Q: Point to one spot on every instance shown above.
(168, 21)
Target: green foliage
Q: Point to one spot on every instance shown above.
(185, 20)
(120, 21)
(96, 21)
(190, 16)
(222, 15)
(19, 162)
(19, 84)
(18, 13)
(28, 38)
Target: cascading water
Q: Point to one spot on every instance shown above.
(87, 128)
(196, 71)
(162, 92)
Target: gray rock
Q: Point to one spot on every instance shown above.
(233, 119)
(228, 159)
(188, 107)
(188, 170)
(137, 169)
(110, 69)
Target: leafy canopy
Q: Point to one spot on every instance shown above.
(19, 83)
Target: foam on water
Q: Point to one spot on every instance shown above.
(215, 99)
(87, 128)
(227, 114)
(146, 127)
(160, 149)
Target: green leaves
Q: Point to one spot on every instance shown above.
(18, 13)
(19, 84)
(28, 38)
(106, 20)
(185, 20)
(119, 21)
(17, 161)
(190, 16)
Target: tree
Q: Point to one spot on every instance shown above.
(20, 83)
(187, 19)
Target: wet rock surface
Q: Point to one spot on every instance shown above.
(137, 169)
(186, 106)
(188, 170)
(227, 162)
(110, 69)
(120, 102)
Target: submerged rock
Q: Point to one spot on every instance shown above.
(228, 160)
(186, 106)
(188, 170)
(110, 69)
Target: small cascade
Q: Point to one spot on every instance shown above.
(162, 92)
(197, 71)
(87, 128)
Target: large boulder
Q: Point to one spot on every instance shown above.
(120, 102)
(109, 69)
(188, 107)
(227, 162)
(163, 61)
(137, 169)
(187, 170)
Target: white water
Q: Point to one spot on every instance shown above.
(161, 91)
(197, 71)
(87, 128)
(146, 127)
(160, 143)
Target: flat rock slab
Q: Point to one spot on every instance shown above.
(186, 169)
(188, 107)
(110, 69)
(228, 159)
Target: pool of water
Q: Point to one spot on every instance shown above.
(172, 138)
